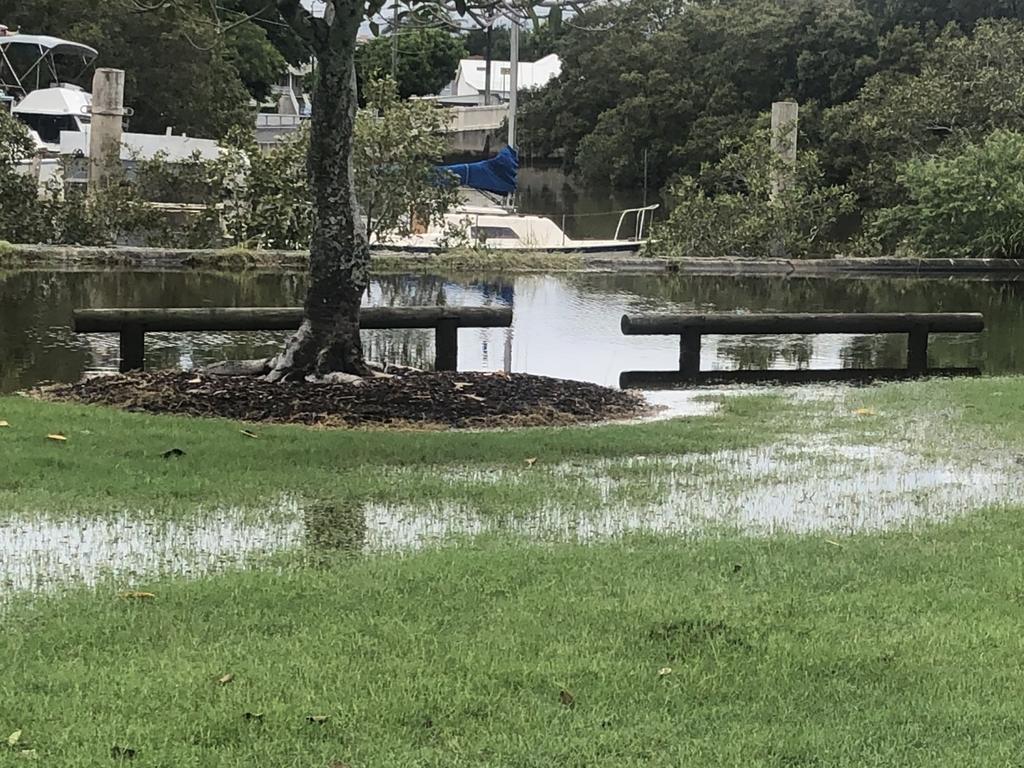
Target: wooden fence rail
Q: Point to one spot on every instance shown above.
(134, 324)
(691, 329)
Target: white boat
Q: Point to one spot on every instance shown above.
(58, 113)
(487, 218)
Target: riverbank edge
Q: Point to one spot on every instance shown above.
(21, 256)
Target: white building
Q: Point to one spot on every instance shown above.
(469, 85)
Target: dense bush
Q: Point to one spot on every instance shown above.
(965, 204)
(732, 209)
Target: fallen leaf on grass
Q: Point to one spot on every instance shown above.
(531, 462)
(253, 715)
(122, 753)
(28, 754)
(4, 424)
(567, 699)
(57, 438)
(138, 595)
(664, 671)
(247, 433)
(864, 412)
(172, 453)
(318, 719)
(13, 739)
(226, 679)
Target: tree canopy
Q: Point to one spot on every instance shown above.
(427, 60)
(179, 71)
(676, 77)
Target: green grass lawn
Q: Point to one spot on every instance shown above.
(893, 649)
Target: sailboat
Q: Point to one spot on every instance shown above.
(486, 217)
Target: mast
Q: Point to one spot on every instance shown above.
(513, 86)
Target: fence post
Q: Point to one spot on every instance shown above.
(133, 347)
(785, 125)
(105, 127)
(446, 344)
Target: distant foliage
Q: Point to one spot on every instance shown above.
(965, 204)
(963, 89)
(246, 197)
(730, 209)
(427, 61)
(397, 146)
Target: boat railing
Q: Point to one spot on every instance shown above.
(643, 216)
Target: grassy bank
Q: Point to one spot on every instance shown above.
(115, 460)
(898, 648)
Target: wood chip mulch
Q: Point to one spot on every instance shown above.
(417, 399)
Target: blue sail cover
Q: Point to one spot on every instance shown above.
(498, 174)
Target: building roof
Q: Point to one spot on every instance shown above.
(532, 74)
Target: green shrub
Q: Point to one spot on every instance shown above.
(731, 209)
(967, 204)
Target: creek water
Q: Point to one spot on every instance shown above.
(565, 325)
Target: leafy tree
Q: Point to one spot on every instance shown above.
(967, 204)
(177, 71)
(965, 88)
(965, 14)
(731, 209)
(534, 43)
(427, 60)
(398, 143)
(675, 78)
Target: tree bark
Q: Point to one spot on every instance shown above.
(339, 257)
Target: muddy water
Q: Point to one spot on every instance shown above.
(565, 325)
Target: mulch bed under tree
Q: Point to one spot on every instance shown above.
(425, 399)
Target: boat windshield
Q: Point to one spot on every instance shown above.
(49, 126)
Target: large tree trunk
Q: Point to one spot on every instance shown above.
(339, 258)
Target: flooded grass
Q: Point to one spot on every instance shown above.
(830, 460)
(794, 580)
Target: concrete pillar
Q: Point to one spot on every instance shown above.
(106, 126)
(785, 123)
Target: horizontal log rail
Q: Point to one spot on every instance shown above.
(929, 322)
(691, 329)
(133, 324)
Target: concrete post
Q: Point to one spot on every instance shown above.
(785, 123)
(106, 126)
(513, 85)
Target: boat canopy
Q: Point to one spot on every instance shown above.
(51, 45)
(498, 174)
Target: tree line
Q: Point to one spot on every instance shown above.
(911, 124)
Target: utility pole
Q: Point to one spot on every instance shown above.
(513, 85)
(487, 71)
(394, 43)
